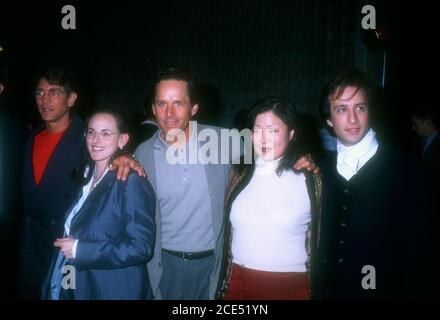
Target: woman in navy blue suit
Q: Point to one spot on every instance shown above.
(110, 231)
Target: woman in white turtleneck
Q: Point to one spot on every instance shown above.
(272, 211)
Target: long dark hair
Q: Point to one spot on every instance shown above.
(283, 109)
(79, 174)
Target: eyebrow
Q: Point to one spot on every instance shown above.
(101, 130)
(346, 105)
(57, 87)
(270, 126)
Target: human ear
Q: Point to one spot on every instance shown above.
(194, 109)
(123, 139)
(291, 134)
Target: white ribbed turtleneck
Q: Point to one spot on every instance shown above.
(269, 220)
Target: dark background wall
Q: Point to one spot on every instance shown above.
(241, 50)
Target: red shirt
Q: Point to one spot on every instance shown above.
(44, 145)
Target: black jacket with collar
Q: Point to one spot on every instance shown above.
(45, 204)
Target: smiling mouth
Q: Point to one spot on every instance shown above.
(353, 130)
(170, 122)
(97, 149)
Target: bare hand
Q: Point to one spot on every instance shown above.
(306, 162)
(123, 164)
(66, 246)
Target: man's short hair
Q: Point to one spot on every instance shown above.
(181, 74)
(427, 113)
(58, 76)
(350, 78)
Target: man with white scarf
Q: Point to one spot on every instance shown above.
(372, 226)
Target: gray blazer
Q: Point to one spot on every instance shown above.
(217, 175)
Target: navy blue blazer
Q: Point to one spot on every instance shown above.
(116, 232)
(45, 205)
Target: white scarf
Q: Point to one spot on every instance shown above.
(351, 159)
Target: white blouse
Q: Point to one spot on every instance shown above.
(78, 206)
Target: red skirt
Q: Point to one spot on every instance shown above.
(249, 284)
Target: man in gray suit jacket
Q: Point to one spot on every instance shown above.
(189, 209)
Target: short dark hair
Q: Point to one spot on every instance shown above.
(181, 74)
(58, 76)
(283, 108)
(351, 78)
(425, 113)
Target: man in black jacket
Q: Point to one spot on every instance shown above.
(373, 230)
(52, 152)
(426, 123)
